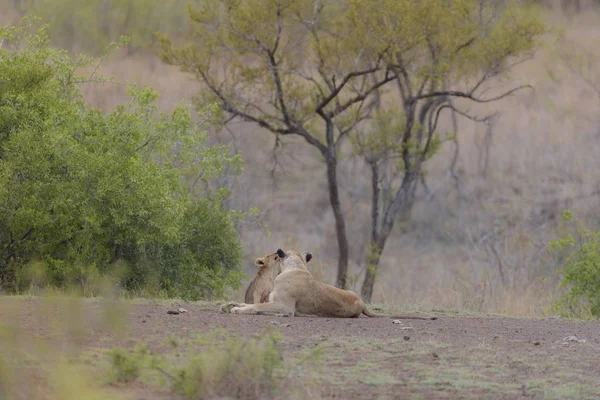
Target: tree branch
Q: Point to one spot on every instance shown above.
(404, 75)
(336, 91)
(278, 88)
(341, 108)
(262, 122)
(469, 95)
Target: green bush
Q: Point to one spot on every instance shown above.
(82, 192)
(579, 253)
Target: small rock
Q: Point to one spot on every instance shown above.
(173, 312)
(143, 321)
(406, 328)
(397, 321)
(182, 310)
(572, 338)
(536, 343)
(406, 337)
(434, 355)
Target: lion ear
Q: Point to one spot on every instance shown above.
(260, 262)
(307, 256)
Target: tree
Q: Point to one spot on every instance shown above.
(437, 52)
(313, 69)
(82, 192)
(293, 67)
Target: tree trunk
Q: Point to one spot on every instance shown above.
(340, 223)
(374, 251)
(403, 202)
(371, 271)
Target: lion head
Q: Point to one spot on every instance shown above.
(292, 259)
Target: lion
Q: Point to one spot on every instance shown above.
(297, 293)
(262, 284)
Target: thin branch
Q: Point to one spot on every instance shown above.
(278, 88)
(404, 74)
(276, 145)
(306, 78)
(227, 106)
(338, 89)
(469, 95)
(466, 44)
(351, 127)
(432, 126)
(339, 109)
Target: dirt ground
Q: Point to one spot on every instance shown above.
(453, 357)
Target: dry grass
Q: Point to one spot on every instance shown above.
(542, 159)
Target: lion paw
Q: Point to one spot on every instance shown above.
(226, 308)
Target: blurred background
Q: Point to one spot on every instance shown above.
(477, 238)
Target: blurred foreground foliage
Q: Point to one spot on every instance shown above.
(85, 195)
(56, 346)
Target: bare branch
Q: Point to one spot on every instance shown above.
(341, 108)
(336, 90)
(469, 95)
(262, 122)
(466, 44)
(276, 163)
(402, 72)
(307, 78)
(278, 87)
(580, 73)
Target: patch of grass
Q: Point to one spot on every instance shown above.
(222, 365)
(380, 379)
(126, 365)
(552, 388)
(68, 382)
(4, 378)
(571, 391)
(475, 381)
(243, 369)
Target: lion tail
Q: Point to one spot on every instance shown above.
(371, 314)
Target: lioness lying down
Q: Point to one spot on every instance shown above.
(297, 292)
(262, 284)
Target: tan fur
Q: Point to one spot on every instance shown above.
(262, 284)
(297, 292)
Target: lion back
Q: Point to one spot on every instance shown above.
(249, 296)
